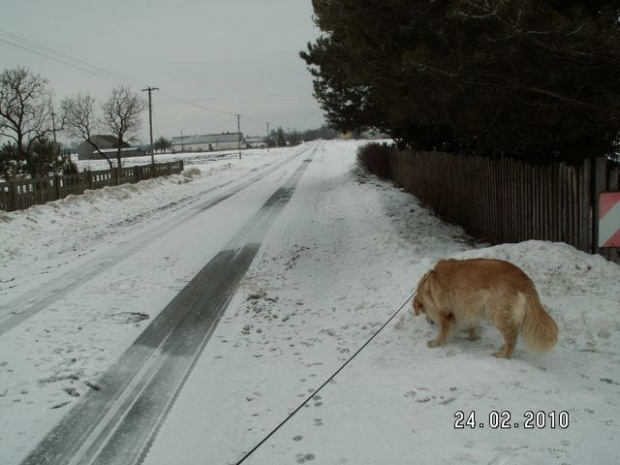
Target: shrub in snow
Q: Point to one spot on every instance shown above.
(375, 158)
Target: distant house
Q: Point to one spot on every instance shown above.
(256, 142)
(208, 142)
(87, 152)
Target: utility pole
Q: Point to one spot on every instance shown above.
(239, 135)
(150, 90)
(56, 151)
(54, 126)
(267, 123)
(182, 145)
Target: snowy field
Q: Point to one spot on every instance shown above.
(190, 158)
(343, 256)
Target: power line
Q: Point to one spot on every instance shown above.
(194, 104)
(81, 65)
(60, 57)
(65, 59)
(45, 55)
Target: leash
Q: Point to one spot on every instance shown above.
(309, 398)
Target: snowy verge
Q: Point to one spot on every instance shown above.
(347, 253)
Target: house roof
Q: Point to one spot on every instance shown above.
(207, 139)
(123, 150)
(99, 138)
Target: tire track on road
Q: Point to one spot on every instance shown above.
(117, 424)
(23, 307)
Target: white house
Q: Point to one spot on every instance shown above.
(256, 142)
(208, 142)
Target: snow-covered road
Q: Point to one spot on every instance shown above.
(23, 306)
(325, 255)
(115, 423)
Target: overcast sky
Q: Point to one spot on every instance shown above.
(233, 56)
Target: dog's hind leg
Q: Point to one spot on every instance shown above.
(446, 325)
(510, 331)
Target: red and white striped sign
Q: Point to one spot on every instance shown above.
(609, 219)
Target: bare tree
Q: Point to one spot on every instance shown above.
(81, 121)
(162, 144)
(121, 115)
(26, 120)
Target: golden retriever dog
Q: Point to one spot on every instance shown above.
(457, 293)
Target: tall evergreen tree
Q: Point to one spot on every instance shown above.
(527, 78)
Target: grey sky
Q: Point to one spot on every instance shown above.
(234, 56)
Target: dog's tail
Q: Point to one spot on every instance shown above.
(539, 330)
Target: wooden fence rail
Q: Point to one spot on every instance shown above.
(509, 200)
(22, 194)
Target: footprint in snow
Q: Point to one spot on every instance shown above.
(303, 458)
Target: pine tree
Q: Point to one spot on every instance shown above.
(527, 78)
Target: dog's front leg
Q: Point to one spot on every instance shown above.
(445, 322)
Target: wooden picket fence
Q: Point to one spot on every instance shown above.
(508, 200)
(24, 193)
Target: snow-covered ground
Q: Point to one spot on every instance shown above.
(342, 257)
(189, 158)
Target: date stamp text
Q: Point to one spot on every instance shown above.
(506, 420)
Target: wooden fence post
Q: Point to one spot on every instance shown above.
(613, 183)
(585, 195)
(14, 193)
(57, 179)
